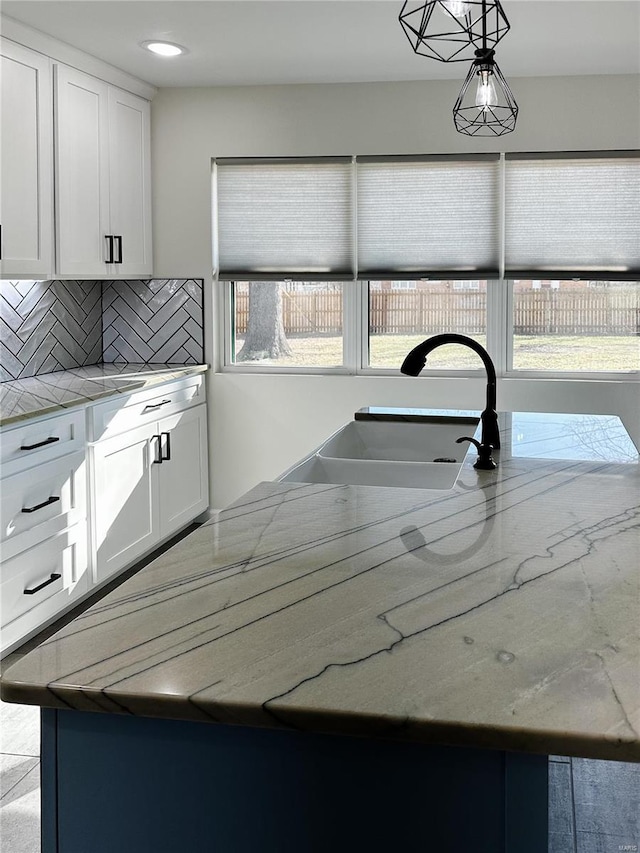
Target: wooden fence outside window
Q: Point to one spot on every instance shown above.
(536, 312)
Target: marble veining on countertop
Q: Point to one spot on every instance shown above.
(50, 392)
(502, 613)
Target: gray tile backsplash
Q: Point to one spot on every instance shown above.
(48, 325)
(153, 321)
(57, 325)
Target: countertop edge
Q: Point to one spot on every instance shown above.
(135, 383)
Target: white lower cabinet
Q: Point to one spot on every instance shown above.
(182, 477)
(42, 582)
(39, 502)
(73, 515)
(147, 483)
(125, 514)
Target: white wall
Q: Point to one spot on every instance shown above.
(259, 425)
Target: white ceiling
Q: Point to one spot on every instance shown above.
(245, 42)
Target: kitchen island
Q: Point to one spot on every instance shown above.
(353, 668)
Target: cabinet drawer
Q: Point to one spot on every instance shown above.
(29, 584)
(41, 501)
(127, 412)
(38, 441)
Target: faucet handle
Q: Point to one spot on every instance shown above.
(484, 462)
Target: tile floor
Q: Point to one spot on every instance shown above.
(19, 778)
(594, 806)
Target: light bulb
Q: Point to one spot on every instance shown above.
(458, 8)
(163, 48)
(486, 95)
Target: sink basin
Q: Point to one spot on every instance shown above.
(396, 453)
(400, 441)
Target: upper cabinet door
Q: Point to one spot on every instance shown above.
(26, 163)
(130, 182)
(82, 174)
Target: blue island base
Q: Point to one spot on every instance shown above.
(115, 784)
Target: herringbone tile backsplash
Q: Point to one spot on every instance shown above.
(158, 320)
(57, 325)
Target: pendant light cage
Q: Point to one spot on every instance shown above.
(450, 30)
(493, 119)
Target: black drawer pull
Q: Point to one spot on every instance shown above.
(109, 258)
(55, 576)
(40, 443)
(118, 241)
(49, 501)
(152, 406)
(158, 449)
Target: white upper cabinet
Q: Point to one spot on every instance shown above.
(26, 163)
(82, 173)
(103, 183)
(130, 182)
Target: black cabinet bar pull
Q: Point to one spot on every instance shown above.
(40, 443)
(158, 448)
(153, 406)
(49, 501)
(118, 241)
(55, 576)
(109, 239)
(168, 456)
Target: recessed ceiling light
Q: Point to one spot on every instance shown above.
(164, 48)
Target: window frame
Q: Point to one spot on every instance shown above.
(500, 297)
(510, 372)
(355, 342)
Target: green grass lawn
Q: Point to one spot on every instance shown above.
(581, 354)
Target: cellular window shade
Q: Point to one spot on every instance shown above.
(422, 217)
(284, 218)
(572, 215)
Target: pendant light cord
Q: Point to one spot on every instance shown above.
(484, 25)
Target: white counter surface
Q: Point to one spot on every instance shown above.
(52, 392)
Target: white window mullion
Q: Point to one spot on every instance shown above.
(225, 322)
(350, 325)
(353, 312)
(496, 324)
(508, 329)
(363, 325)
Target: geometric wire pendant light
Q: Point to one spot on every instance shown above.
(490, 108)
(451, 30)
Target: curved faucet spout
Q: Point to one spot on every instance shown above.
(417, 358)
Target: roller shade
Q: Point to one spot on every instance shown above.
(420, 217)
(574, 215)
(284, 218)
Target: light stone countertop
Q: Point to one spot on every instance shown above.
(48, 393)
(504, 613)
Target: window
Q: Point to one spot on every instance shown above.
(400, 320)
(539, 327)
(344, 264)
(576, 326)
(287, 324)
(574, 214)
